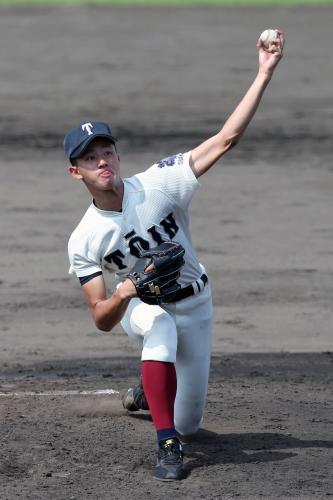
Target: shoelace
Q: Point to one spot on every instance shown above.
(171, 453)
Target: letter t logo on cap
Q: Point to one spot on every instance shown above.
(87, 127)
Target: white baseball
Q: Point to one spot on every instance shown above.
(268, 36)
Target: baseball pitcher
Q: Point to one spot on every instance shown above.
(138, 229)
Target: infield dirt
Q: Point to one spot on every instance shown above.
(261, 223)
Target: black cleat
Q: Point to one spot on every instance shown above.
(169, 460)
(135, 399)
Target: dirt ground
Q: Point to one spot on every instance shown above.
(261, 223)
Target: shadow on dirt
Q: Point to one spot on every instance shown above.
(208, 448)
(274, 366)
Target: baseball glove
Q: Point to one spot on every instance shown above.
(156, 272)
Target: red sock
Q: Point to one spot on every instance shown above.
(160, 385)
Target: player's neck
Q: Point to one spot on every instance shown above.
(111, 200)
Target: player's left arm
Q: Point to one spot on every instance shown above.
(206, 154)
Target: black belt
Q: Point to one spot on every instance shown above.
(193, 289)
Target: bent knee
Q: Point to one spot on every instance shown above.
(160, 345)
(186, 427)
(145, 319)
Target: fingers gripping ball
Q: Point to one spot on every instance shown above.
(156, 272)
(268, 36)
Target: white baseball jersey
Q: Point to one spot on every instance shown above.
(154, 209)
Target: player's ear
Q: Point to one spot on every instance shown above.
(74, 172)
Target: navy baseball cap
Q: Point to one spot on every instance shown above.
(79, 138)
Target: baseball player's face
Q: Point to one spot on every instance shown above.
(99, 166)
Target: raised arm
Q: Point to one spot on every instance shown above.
(206, 154)
(107, 312)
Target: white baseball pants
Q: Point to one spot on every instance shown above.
(178, 333)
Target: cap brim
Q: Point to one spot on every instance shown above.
(83, 146)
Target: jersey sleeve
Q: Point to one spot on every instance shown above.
(174, 176)
(82, 262)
